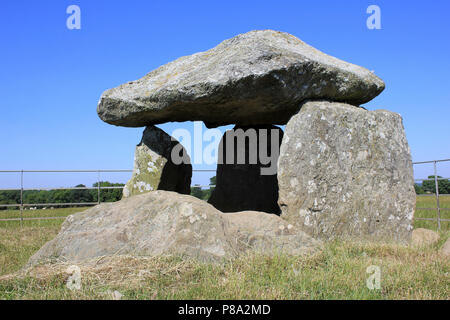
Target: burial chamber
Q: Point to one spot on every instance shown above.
(342, 171)
(337, 171)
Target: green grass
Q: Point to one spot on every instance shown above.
(17, 243)
(430, 202)
(57, 212)
(337, 272)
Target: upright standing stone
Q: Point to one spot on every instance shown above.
(154, 168)
(346, 172)
(249, 184)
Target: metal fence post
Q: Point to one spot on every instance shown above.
(98, 186)
(21, 198)
(437, 196)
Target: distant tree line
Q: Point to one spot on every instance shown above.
(429, 186)
(203, 194)
(63, 196)
(111, 195)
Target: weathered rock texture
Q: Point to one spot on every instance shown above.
(259, 77)
(268, 233)
(154, 168)
(250, 184)
(168, 223)
(347, 172)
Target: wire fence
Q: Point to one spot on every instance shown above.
(438, 207)
(22, 206)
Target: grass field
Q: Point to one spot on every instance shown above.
(430, 202)
(337, 272)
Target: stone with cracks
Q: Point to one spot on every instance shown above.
(154, 168)
(259, 77)
(346, 172)
(168, 223)
(246, 173)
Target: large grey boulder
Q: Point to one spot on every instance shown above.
(259, 77)
(168, 223)
(246, 176)
(345, 172)
(158, 222)
(154, 168)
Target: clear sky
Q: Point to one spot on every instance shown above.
(51, 77)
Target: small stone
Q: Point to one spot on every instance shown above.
(424, 237)
(445, 250)
(116, 295)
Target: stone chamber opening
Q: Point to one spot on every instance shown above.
(245, 170)
(246, 177)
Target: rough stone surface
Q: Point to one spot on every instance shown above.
(268, 233)
(168, 223)
(424, 237)
(259, 77)
(345, 172)
(154, 168)
(445, 250)
(250, 184)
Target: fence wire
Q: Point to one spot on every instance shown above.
(438, 208)
(23, 205)
(99, 188)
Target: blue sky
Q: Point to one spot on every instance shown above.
(52, 77)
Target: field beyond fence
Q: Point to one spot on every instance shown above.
(430, 198)
(31, 216)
